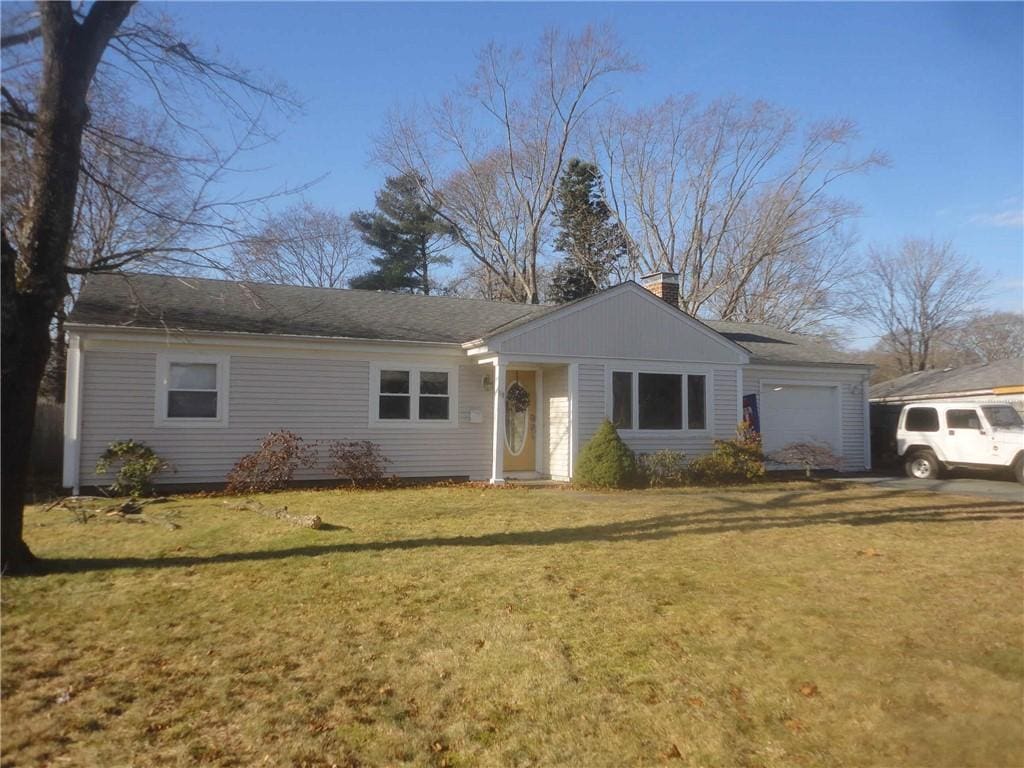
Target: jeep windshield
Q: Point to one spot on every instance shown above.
(1002, 417)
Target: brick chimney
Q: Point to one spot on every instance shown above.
(664, 285)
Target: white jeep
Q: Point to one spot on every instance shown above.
(938, 435)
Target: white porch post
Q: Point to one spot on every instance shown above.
(498, 447)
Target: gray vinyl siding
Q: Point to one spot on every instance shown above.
(321, 399)
(591, 407)
(556, 422)
(626, 323)
(851, 403)
(724, 417)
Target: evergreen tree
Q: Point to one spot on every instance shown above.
(592, 242)
(408, 235)
(569, 281)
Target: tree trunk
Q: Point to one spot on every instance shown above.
(25, 348)
(71, 53)
(425, 260)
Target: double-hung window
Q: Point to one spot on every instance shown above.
(191, 390)
(658, 401)
(403, 395)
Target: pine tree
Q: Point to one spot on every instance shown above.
(569, 281)
(409, 236)
(592, 242)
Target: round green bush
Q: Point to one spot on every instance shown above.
(606, 461)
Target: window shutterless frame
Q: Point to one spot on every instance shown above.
(426, 393)
(164, 389)
(615, 381)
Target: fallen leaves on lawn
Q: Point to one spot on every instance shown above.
(794, 725)
(809, 689)
(870, 552)
(672, 753)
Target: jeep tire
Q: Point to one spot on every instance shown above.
(922, 464)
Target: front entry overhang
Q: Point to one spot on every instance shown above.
(503, 372)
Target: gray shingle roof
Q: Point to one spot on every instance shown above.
(137, 300)
(966, 378)
(200, 304)
(773, 345)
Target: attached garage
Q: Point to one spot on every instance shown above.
(799, 413)
(805, 391)
(805, 404)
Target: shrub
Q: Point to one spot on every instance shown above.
(361, 462)
(663, 469)
(606, 461)
(808, 456)
(731, 461)
(137, 465)
(272, 466)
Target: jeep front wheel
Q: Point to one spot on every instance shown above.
(1018, 469)
(922, 465)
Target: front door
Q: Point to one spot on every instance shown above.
(521, 421)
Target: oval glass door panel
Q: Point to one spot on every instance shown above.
(517, 422)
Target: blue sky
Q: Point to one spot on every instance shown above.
(938, 86)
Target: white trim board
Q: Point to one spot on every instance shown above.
(73, 414)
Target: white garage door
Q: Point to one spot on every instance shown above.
(799, 414)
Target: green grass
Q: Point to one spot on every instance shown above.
(778, 625)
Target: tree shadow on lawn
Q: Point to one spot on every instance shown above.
(733, 518)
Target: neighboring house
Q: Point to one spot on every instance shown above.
(1001, 381)
(201, 369)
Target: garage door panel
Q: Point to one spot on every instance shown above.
(799, 414)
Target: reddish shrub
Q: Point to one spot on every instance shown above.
(809, 456)
(272, 466)
(361, 462)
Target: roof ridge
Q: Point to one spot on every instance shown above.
(366, 291)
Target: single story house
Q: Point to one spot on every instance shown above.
(1001, 381)
(201, 370)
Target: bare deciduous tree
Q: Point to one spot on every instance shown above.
(916, 296)
(303, 245)
(60, 61)
(737, 199)
(489, 156)
(129, 206)
(989, 337)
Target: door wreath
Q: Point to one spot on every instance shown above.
(517, 397)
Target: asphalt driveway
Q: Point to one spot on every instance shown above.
(961, 484)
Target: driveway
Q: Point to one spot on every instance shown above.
(961, 484)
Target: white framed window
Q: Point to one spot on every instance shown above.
(422, 395)
(191, 390)
(659, 400)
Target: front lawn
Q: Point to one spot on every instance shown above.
(779, 625)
